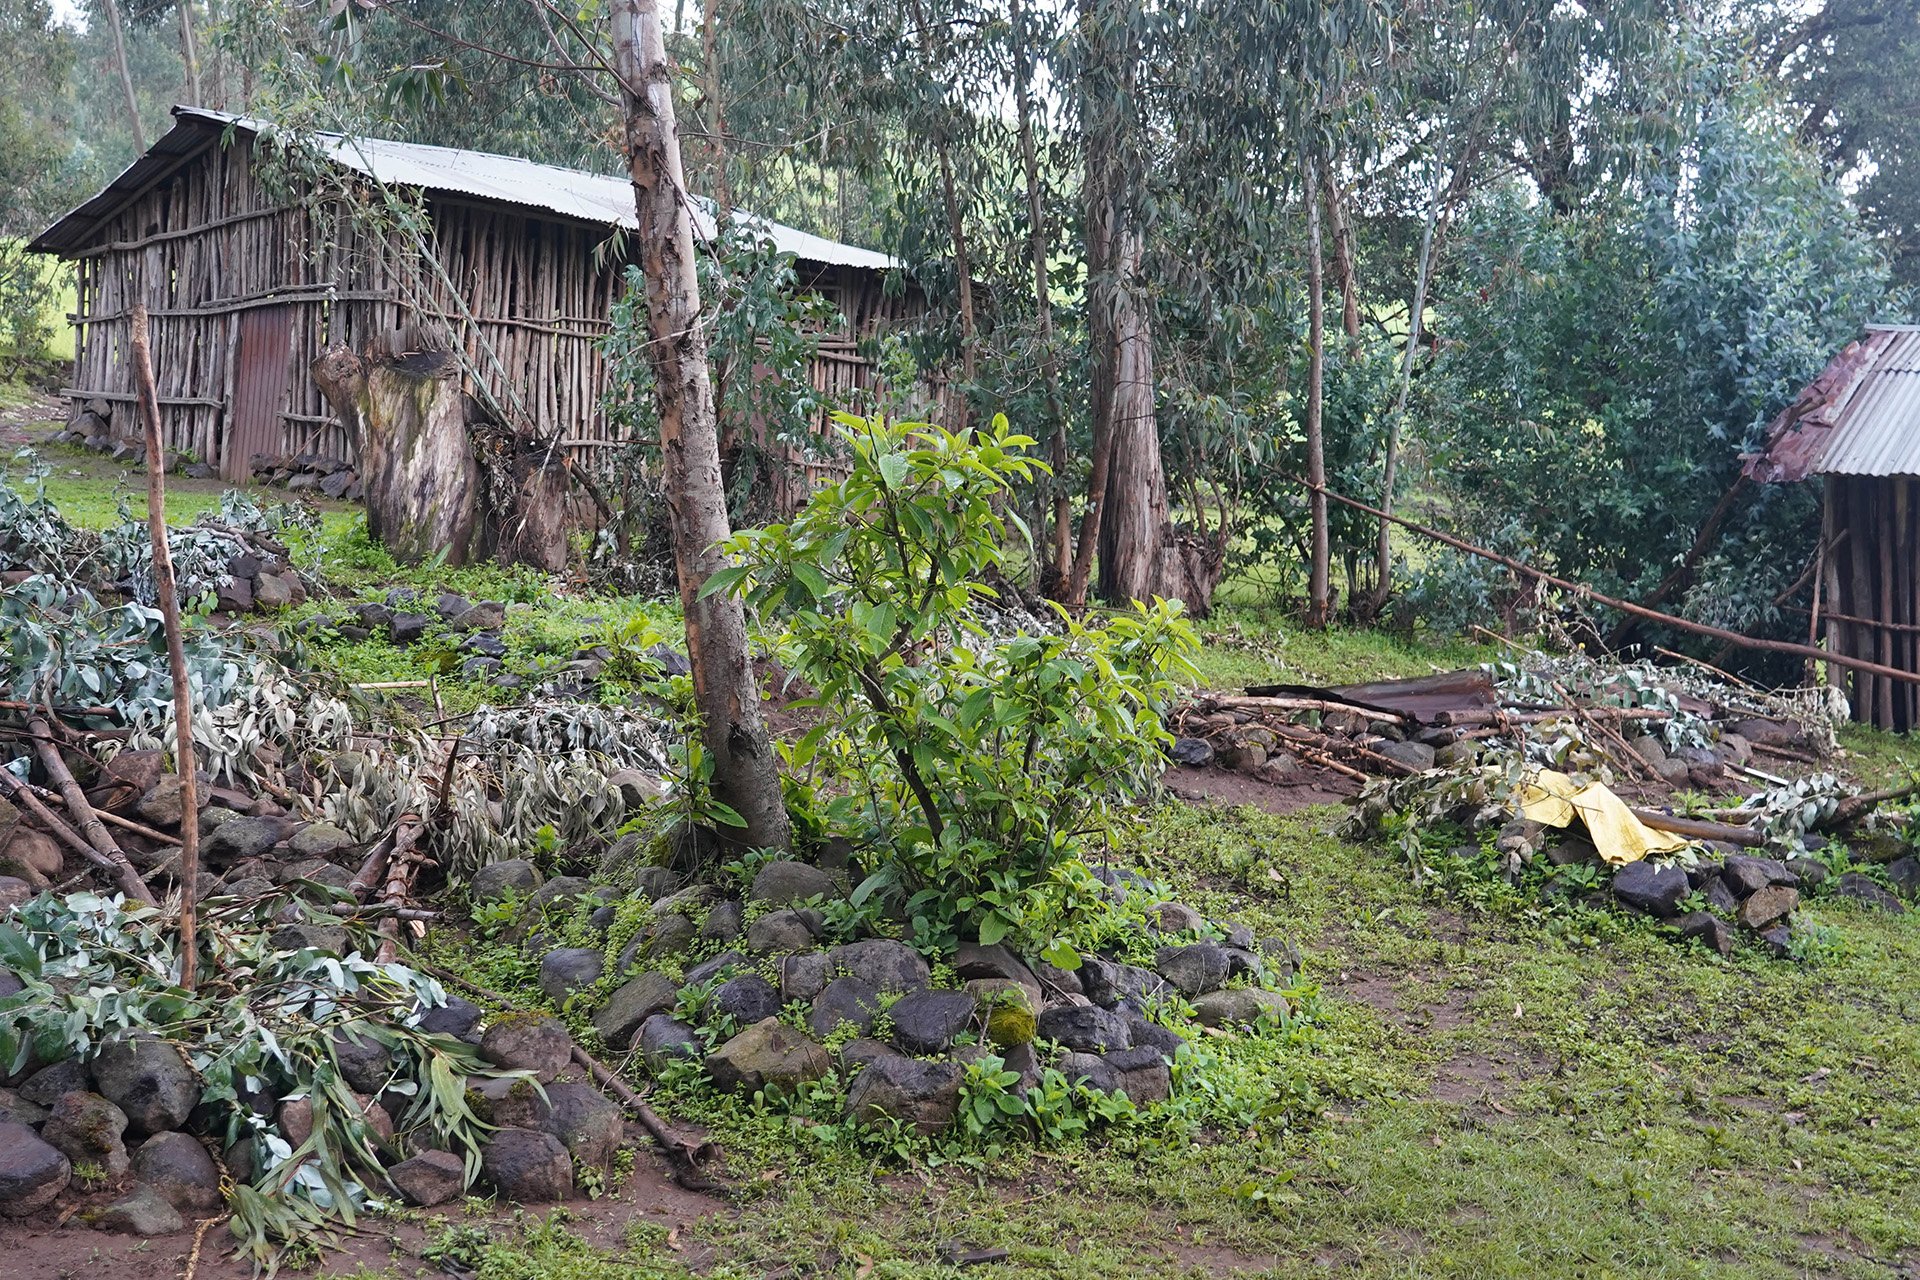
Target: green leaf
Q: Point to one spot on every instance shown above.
(994, 927)
(1060, 954)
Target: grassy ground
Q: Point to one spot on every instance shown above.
(1484, 1096)
(1478, 1093)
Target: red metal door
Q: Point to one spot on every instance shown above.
(261, 356)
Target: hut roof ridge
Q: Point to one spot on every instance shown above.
(1860, 417)
(569, 193)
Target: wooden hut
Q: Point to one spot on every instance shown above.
(251, 270)
(1856, 428)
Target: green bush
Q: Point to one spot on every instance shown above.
(976, 767)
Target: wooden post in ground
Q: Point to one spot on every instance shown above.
(185, 763)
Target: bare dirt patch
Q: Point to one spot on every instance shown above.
(1303, 788)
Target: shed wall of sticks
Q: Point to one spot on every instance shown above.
(248, 282)
(1856, 429)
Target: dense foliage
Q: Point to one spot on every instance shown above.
(977, 765)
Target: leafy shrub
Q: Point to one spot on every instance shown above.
(978, 765)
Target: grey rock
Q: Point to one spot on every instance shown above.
(1720, 897)
(32, 1173)
(48, 1084)
(1456, 755)
(496, 880)
(365, 1064)
(925, 1095)
(1090, 1070)
(88, 1130)
(1709, 930)
(405, 627)
(315, 871)
(149, 1080)
(528, 1042)
(1674, 772)
(767, 1054)
(972, 960)
(1904, 875)
(141, 1212)
(663, 1039)
(652, 882)
(163, 803)
(1176, 917)
(272, 591)
(1195, 969)
(567, 970)
(664, 936)
(1746, 874)
(1237, 1006)
(1245, 962)
(926, 1021)
(488, 615)
(526, 1166)
(508, 1103)
(319, 840)
(1767, 907)
(637, 1000)
(15, 1109)
(457, 1018)
(590, 1127)
(450, 606)
(844, 1000)
(1656, 890)
(709, 969)
(1195, 753)
(1778, 941)
(328, 939)
(1058, 980)
(252, 887)
(1858, 888)
(1085, 1028)
(882, 964)
(179, 1168)
(430, 1178)
(1143, 1074)
(1812, 873)
(559, 895)
(1113, 985)
(785, 883)
(13, 892)
(746, 999)
(804, 976)
(857, 1055)
(244, 837)
(723, 923)
(1414, 755)
(1151, 1035)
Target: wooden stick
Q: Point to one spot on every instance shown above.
(109, 816)
(1694, 829)
(374, 866)
(1853, 809)
(1325, 761)
(1249, 703)
(91, 827)
(1733, 638)
(404, 863)
(185, 762)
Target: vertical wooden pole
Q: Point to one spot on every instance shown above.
(185, 763)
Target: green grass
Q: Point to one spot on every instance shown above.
(1484, 1096)
(1246, 646)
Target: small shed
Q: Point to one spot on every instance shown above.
(248, 278)
(1856, 428)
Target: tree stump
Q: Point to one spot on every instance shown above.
(408, 419)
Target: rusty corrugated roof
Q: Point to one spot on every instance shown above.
(476, 175)
(1860, 417)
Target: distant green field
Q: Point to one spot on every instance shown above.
(60, 302)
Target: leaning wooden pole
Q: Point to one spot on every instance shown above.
(1733, 638)
(185, 763)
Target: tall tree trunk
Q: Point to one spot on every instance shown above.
(716, 105)
(1390, 472)
(1042, 296)
(1343, 270)
(189, 51)
(1134, 538)
(1319, 570)
(956, 219)
(746, 775)
(126, 76)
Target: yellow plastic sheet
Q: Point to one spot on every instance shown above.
(1554, 799)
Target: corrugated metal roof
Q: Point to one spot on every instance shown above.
(1860, 417)
(478, 175)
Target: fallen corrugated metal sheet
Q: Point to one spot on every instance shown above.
(479, 175)
(1860, 417)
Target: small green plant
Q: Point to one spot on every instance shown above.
(979, 764)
